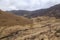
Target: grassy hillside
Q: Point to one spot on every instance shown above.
(43, 28)
(8, 19)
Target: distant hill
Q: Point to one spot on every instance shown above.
(52, 11)
(21, 12)
(9, 19)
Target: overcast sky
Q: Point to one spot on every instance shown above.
(26, 4)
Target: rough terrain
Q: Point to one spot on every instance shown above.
(39, 30)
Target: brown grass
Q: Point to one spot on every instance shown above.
(14, 27)
(8, 19)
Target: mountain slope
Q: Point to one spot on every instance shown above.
(45, 25)
(21, 12)
(42, 29)
(52, 11)
(8, 19)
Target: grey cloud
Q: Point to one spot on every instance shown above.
(26, 4)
